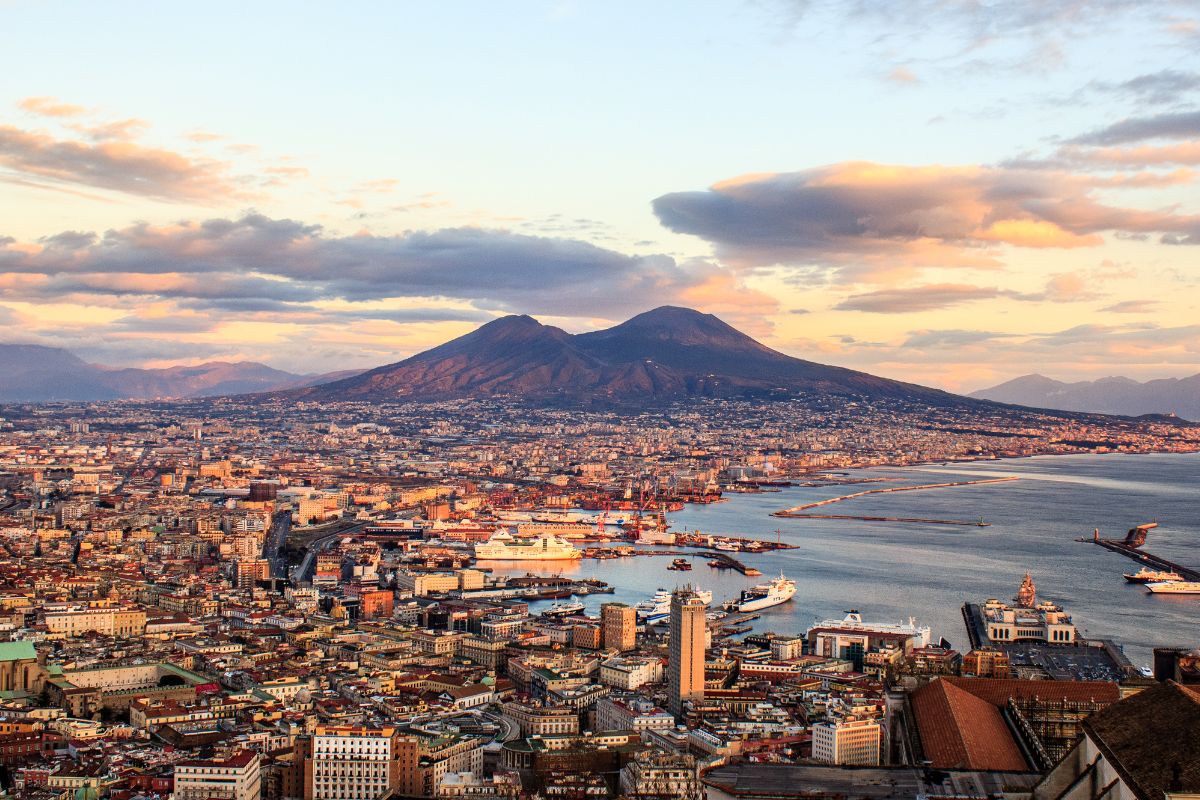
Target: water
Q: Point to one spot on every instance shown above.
(891, 571)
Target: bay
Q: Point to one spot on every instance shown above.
(890, 571)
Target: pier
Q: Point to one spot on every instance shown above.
(918, 520)
(1149, 559)
(794, 511)
(732, 563)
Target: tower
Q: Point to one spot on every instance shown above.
(685, 665)
(620, 626)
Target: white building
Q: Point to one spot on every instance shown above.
(235, 778)
(851, 741)
(351, 763)
(631, 714)
(630, 673)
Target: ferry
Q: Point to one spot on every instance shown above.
(658, 608)
(1174, 587)
(546, 547)
(1151, 576)
(765, 595)
(563, 609)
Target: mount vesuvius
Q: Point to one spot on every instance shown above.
(664, 354)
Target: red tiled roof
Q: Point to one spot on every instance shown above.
(961, 731)
(997, 691)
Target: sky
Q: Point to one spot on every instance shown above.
(953, 192)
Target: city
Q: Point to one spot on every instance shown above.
(566, 400)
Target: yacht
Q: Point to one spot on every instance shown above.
(765, 595)
(1174, 587)
(563, 609)
(1151, 576)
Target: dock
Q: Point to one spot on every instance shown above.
(788, 512)
(731, 562)
(1149, 559)
(916, 520)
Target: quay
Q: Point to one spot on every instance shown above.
(1159, 563)
(841, 498)
(732, 563)
(918, 520)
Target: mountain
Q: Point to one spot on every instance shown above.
(662, 354)
(1114, 395)
(33, 373)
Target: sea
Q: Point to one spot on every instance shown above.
(893, 571)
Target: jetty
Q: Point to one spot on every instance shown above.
(1130, 547)
(795, 510)
(919, 520)
(731, 562)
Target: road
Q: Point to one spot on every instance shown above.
(281, 526)
(305, 571)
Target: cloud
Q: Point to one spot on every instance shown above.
(1132, 307)
(50, 107)
(903, 76)
(115, 165)
(1161, 88)
(869, 221)
(281, 260)
(951, 338)
(1168, 125)
(929, 297)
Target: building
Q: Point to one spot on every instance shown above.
(631, 714)
(1027, 620)
(620, 626)
(234, 778)
(850, 638)
(537, 720)
(854, 742)
(987, 662)
(67, 621)
(586, 637)
(1003, 725)
(685, 665)
(657, 775)
(1146, 747)
(351, 763)
(629, 672)
(424, 761)
(252, 570)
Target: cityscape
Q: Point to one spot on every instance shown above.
(384, 414)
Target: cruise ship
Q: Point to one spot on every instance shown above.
(658, 608)
(1174, 587)
(546, 547)
(766, 595)
(1151, 576)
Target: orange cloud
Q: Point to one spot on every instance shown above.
(119, 166)
(50, 107)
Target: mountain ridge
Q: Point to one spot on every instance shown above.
(39, 373)
(667, 352)
(1114, 394)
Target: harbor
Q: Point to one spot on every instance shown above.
(1131, 545)
(795, 510)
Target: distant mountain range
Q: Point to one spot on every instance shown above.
(33, 373)
(1116, 395)
(666, 353)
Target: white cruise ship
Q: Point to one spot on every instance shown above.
(1174, 587)
(503, 547)
(658, 608)
(766, 595)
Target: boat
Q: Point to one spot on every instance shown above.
(718, 564)
(1153, 576)
(1174, 587)
(545, 547)
(658, 608)
(680, 564)
(563, 609)
(765, 595)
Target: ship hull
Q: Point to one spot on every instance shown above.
(764, 602)
(1175, 587)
